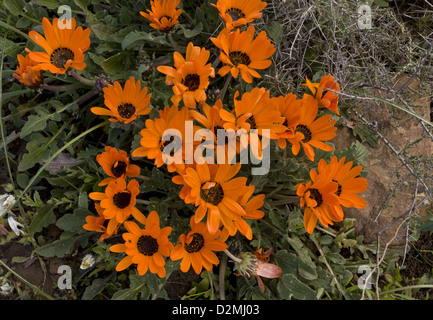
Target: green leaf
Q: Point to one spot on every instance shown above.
(192, 33)
(357, 153)
(37, 151)
(50, 4)
(276, 31)
(74, 222)
(43, 218)
(15, 7)
(289, 286)
(97, 286)
(366, 135)
(102, 31)
(61, 247)
(115, 64)
(36, 122)
(137, 286)
(141, 36)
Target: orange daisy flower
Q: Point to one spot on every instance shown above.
(163, 14)
(124, 105)
(145, 248)
(251, 207)
(214, 191)
(311, 132)
(348, 179)
(327, 99)
(319, 198)
(118, 201)
(237, 13)
(255, 110)
(290, 108)
(26, 73)
(64, 48)
(242, 53)
(101, 224)
(190, 76)
(116, 164)
(153, 143)
(197, 248)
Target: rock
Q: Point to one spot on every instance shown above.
(392, 185)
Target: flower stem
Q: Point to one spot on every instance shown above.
(226, 85)
(231, 256)
(83, 80)
(173, 43)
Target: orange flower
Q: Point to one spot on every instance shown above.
(255, 110)
(118, 201)
(320, 201)
(124, 105)
(214, 191)
(163, 14)
(153, 144)
(196, 248)
(100, 224)
(145, 248)
(237, 13)
(348, 179)
(190, 76)
(290, 108)
(242, 53)
(116, 164)
(251, 207)
(321, 91)
(64, 48)
(26, 73)
(311, 132)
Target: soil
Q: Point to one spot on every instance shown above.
(419, 262)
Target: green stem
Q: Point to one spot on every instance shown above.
(231, 256)
(394, 105)
(42, 293)
(418, 286)
(83, 80)
(173, 43)
(226, 85)
(61, 88)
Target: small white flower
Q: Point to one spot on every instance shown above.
(87, 262)
(6, 201)
(14, 226)
(6, 289)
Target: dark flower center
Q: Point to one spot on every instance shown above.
(338, 192)
(126, 110)
(235, 14)
(147, 245)
(305, 131)
(323, 93)
(239, 57)
(192, 81)
(122, 199)
(167, 17)
(118, 168)
(196, 243)
(315, 195)
(60, 56)
(252, 122)
(213, 195)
